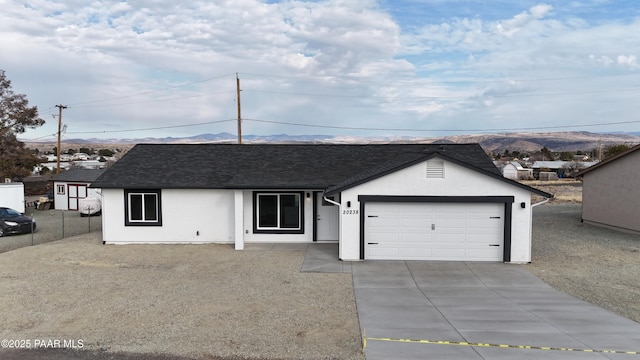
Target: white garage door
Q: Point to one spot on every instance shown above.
(434, 231)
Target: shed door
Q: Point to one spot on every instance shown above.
(76, 191)
(434, 231)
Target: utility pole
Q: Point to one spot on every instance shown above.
(60, 107)
(239, 116)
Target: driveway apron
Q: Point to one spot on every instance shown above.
(488, 303)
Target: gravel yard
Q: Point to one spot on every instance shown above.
(188, 300)
(595, 264)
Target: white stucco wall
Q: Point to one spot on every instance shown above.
(458, 181)
(188, 216)
(212, 213)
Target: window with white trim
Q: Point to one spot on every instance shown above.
(61, 189)
(143, 208)
(276, 212)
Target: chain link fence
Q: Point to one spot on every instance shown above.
(52, 225)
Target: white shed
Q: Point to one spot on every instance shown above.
(72, 185)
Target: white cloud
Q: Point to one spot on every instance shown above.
(364, 64)
(628, 60)
(510, 27)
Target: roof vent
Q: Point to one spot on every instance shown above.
(435, 169)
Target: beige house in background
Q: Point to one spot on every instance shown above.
(611, 192)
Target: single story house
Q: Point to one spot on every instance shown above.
(71, 185)
(382, 201)
(611, 192)
(561, 168)
(86, 164)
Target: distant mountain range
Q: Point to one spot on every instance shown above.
(524, 141)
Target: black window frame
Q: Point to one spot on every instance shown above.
(127, 202)
(279, 229)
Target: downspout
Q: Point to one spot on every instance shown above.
(339, 221)
(546, 200)
(331, 201)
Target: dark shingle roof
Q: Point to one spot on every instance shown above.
(83, 175)
(271, 166)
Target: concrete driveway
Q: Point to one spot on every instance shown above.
(488, 303)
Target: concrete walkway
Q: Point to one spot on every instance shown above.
(489, 303)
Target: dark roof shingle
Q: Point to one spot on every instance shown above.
(273, 166)
(83, 175)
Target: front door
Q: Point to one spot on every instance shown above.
(76, 191)
(326, 219)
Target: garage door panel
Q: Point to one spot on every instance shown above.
(415, 208)
(427, 231)
(393, 236)
(383, 221)
(415, 222)
(415, 253)
(415, 238)
(381, 253)
(450, 238)
(449, 254)
(484, 222)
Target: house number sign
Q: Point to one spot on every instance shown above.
(349, 212)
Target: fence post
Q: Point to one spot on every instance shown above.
(31, 229)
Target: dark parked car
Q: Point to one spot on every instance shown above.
(13, 222)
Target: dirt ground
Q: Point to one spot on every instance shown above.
(565, 191)
(593, 263)
(195, 301)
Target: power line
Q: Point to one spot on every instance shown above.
(155, 100)
(86, 104)
(440, 97)
(153, 128)
(349, 127)
(466, 81)
(441, 130)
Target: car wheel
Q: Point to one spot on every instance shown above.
(1, 232)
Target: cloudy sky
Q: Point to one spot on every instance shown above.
(133, 69)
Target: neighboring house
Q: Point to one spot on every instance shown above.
(79, 157)
(73, 184)
(611, 191)
(384, 201)
(561, 168)
(514, 171)
(85, 164)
